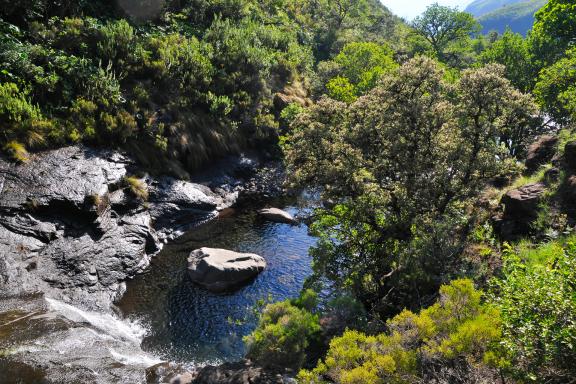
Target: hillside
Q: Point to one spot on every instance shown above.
(482, 7)
(499, 14)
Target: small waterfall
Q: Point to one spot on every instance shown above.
(123, 336)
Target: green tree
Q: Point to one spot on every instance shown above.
(401, 161)
(512, 50)
(445, 27)
(556, 89)
(554, 30)
(356, 69)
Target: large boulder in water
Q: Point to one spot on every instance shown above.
(220, 270)
(277, 215)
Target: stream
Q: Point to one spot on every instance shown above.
(194, 327)
(162, 316)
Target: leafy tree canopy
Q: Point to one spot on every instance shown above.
(445, 27)
(401, 161)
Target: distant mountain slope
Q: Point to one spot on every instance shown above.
(499, 14)
(481, 7)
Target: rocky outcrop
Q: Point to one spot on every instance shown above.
(541, 152)
(69, 227)
(570, 155)
(277, 215)
(220, 270)
(242, 372)
(520, 210)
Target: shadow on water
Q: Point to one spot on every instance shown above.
(193, 326)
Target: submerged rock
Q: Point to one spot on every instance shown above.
(277, 215)
(242, 372)
(220, 270)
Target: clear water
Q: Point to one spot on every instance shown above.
(190, 325)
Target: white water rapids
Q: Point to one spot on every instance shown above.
(121, 337)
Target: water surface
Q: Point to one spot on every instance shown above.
(192, 326)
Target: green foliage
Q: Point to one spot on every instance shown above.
(458, 331)
(553, 31)
(356, 70)
(339, 88)
(117, 42)
(556, 89)
(20, 119)
(537, 302)
(446, 29)
(282, 336)
(403, 160)
(512, 51)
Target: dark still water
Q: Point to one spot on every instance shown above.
(190, 325)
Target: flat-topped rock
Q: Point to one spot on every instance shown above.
(277, 215)
(220, 270)
(523, 202)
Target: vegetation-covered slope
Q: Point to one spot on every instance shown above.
(191, 81)
(497, 15)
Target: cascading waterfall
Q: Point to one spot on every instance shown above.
(125, 336)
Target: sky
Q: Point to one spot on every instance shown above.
(409, 9)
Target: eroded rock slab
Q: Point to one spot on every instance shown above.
(220, 270)
(71, 229)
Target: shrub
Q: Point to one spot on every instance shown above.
(458, 332)
(17, 152)
(282, 336)
(537, 302)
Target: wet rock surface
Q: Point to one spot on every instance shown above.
(69, 228)
(71, 233)
(242, 372)
(220, 270)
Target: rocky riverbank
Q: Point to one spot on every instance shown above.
(75, 224)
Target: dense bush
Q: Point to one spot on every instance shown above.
(283, 334)
(537, 300)
(453, 341)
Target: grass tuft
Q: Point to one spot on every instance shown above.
(17, 152)
(138, 187)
